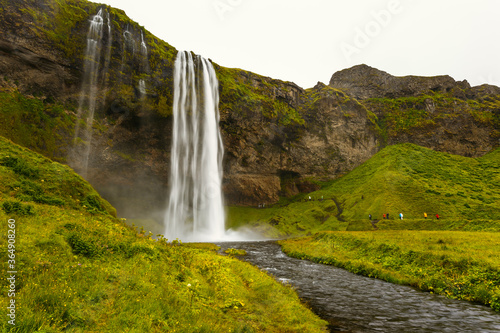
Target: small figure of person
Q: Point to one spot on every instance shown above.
(309, 198)
(387, 215)
(383, 216)
(370, 216)
(425, 215)
(437, 216)
(400, 216)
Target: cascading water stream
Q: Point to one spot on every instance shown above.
(144, 48)
(195, 209)
(128, 48)
(142, 88)
(79, 155)
(144, 65)
(107, 60)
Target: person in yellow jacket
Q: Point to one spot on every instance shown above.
(425, 215)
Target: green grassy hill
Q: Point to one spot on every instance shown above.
(80, 269)
(439, 256)
(402, 178)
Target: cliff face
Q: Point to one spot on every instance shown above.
(435, 112)
(278, 137)
(362, 82)
(314, 133)
(42, 48)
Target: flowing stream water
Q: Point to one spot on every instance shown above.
(354, 303)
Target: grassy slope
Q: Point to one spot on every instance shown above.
(441, 256)
(34, 123)
(401, 178)
(83, 270)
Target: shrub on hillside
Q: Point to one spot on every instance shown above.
(20, 167)
(16, 207)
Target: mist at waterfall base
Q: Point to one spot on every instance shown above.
(195, 210)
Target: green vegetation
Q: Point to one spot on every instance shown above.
(31, 178)
(242, 91)
(410, 179)
(236, 252)
(80, 269)
(401, 178)
(36, 123)
(57, 24)
(460, 265)
(405, 114)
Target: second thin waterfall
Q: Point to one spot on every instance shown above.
(195, 209)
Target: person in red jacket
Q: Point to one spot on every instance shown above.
(437, 216)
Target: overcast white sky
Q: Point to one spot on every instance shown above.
(306, 41)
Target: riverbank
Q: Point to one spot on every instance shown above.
(457, 264)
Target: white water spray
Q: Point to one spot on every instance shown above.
(195, 208)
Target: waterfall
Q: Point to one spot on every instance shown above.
(195, 206)
(128, 41)
(144, 48)
(144, 66)
(79, 156)
(110, 41)
(107, 59)
(128, 46)
(142, 88)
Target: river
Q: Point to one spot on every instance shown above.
(354, 303)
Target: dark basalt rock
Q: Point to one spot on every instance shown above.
(362, 82)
